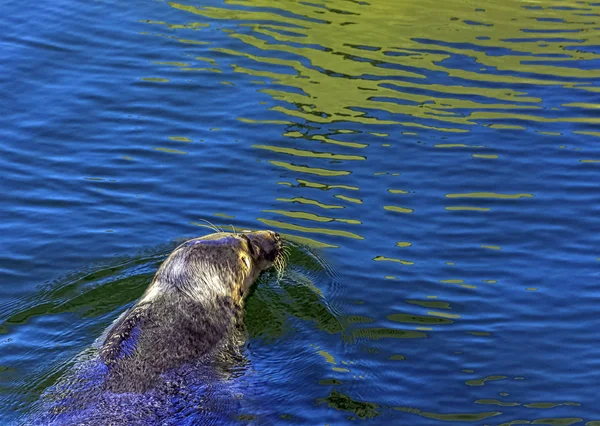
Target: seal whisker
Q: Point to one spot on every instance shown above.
(281, 261)
(279, 269)
(286, 251)
(212, 226)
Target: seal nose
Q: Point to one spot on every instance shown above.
(278, 241)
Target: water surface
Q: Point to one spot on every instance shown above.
(441, 159)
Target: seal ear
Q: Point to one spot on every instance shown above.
(251, 248)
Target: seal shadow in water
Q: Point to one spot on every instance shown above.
(146, 369)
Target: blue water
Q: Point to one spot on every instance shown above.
(441, 160)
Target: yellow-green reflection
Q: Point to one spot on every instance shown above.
(397, 357)
(334, 45)
(398, 209)
(581, 132)
(327, 356)
(456, 145)
(310, 242)
(170, 150)
(506, 127)
(333, 62)
(544, 405)
(496, 402)
(292, 227)
(443, 314)
(217, 70)
(310, 184)
(302, 200)
(468, 208)
(325, 139)
(489, 195)
(430, 304)
(349, 199)
(191, 25)
(313, 217)
(156, 79)
(174, 64)
(391, 259)
(459, 282)
(312, 154)
(481, 382)
(223, 215)
(251, 121)
(330, 359)
(311, 170)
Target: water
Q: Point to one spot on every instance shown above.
(441, 161)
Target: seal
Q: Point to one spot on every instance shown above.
(185, 330)
(192, 309)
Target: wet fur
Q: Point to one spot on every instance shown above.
(193, 309)
(164, 334)
(166, 358)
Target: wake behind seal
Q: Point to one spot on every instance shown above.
(181, 334)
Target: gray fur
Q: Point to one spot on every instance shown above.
(192, 312)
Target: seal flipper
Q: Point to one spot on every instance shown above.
(121, 340)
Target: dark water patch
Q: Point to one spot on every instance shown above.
(340, 401)
(588, 49)
(545, 40)
(525, 30)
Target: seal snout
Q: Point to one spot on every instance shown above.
(278, 245)
(266, 245)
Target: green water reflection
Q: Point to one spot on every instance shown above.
(356, 60)
(453, 81)
(348, 41)
(333, 66)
